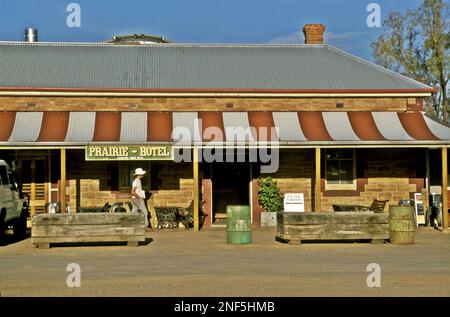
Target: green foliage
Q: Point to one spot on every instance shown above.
(417, 44)
(269, 195)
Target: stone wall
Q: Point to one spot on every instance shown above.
(385, 174)
(176, 184)
(207, 200)
(388, 174)
(54, 103)
(88, 183)
(92, 184)
(296, 173)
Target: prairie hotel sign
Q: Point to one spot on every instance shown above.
(124, 152)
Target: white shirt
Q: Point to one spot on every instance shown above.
(137, 183)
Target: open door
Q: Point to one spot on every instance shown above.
(230, 186)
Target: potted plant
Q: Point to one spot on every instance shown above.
(270, 200)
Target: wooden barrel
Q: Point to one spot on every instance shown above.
(239, 227)
(402, 223)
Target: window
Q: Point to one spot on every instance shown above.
(126, 171)
(340, 169)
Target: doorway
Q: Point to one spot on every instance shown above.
(230, 186)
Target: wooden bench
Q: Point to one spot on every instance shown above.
(87, 227)
(295, 227)
(376, 206)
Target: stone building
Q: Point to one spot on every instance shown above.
(78, 118)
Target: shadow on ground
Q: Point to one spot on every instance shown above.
(97, 244)
(7, 237)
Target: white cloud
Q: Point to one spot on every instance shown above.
(292, 38)
(347, 36)
(348, 41)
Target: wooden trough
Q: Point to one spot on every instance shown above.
(87, 227)
(294, 227)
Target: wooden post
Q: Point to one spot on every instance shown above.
(62, 194)
(250, 194)
(426, 191)
(425, 194)
(48, 198)
(151, 209)
(317, 183)
(196, 190)
(444, 189)
(33, 188)
(427, 169)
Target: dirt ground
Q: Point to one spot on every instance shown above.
(185, 263)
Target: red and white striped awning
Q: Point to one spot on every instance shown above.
(296, 128)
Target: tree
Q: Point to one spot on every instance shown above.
(417, 44)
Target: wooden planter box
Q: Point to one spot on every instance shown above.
(87, 227)
(294, 227)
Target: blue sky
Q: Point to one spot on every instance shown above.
(201, 21)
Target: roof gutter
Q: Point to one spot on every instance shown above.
(280, 93)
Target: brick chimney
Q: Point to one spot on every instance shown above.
(313, 33)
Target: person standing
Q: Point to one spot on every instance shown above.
(138, 194)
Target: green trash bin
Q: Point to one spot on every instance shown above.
(239, 224)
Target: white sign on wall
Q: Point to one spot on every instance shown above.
(418, 205)
(294, 202)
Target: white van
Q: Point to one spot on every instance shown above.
(13, 208)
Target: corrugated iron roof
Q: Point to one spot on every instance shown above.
(27, 126)
(81, 127)
(133, 126)
(338, 126)
(189, 66)
(237, 126)
(185, 126)
(388, 123)
(437, 128)
(288, 126)
(408, 128)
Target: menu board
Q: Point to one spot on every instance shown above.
(420, 211)
(294, 202)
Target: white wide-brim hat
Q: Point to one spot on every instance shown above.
(139, 171)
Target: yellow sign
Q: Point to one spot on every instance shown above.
(125, 152)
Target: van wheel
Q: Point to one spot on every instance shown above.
(20, 227)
